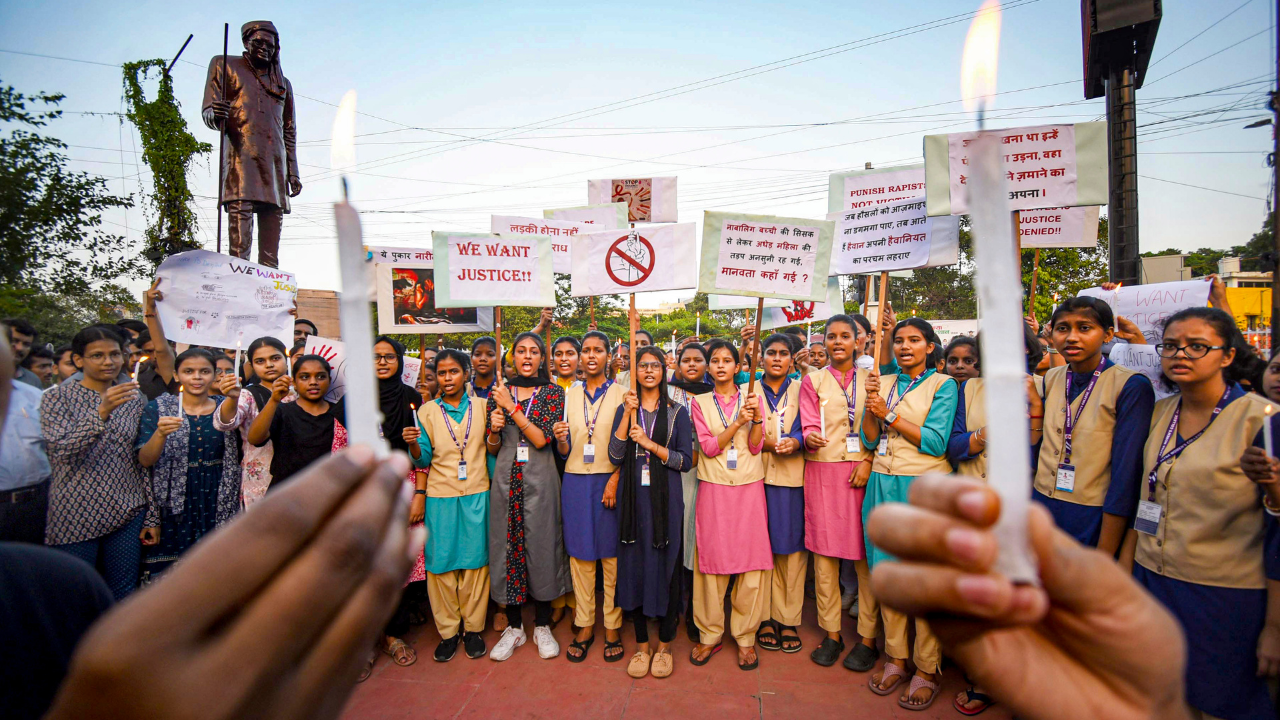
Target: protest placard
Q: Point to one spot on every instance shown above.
(560, 232)
(800, 312)
(1148, 305)
(647, 199)
(609, 216)
(948, 329)
(407, 304)
(739, 302)
(335, 352)
(215, 300)
(482, 270)
(895, 235)
(858, 189)
(379, 254)
(653, 257)
(1144, 359)
(1064, 227)
(1045, 165)
(765, 256)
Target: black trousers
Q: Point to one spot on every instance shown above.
(668, 623)
(23, 512)
(541, 614)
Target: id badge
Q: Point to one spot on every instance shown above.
(644, 475)
(732, 458)
(883, 447)
(589, 453)
(1066, 478)
(1148, 519)
(853, 444)
(462, 470)
(522, 453)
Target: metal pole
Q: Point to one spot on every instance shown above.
(168, 68)
(1122, 205)
(222, 132)
(1275, 196)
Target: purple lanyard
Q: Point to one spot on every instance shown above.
(780, 406)
(892, 402)
(1163, 457)
(591, 424)
(465, 436)
(737, 404)
(850, 399)
(648, 431)
(528, 403)
(1084, 400)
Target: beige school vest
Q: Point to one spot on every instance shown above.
(1091, 439)
(836, 416)
(716, 469)
(975, 408)
(903, 457)
(1211, 530)
(782, 470)
(608, 407)
(443, 480)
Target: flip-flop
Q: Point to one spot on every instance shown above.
(609, 645)
(584, 646)
(751, 665)
(890, 669)
(714, 649)
(767, 636)
(919, 683)
(972, 695)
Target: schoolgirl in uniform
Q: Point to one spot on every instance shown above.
(565, 359)
(484, 365)
(690, 380)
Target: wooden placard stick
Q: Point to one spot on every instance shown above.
(631, 349)
(497, 336)
(751, 373)
(884, 301)
(1035, 275)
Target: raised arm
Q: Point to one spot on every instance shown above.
(164, 358)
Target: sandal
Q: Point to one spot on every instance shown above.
(639, 665)
(400, 651)
(368, 668)
(582, 647)
(767, 636)
(751, 665)
(891, 669)
(714, 649)
(971, 695)
(613, 645)
(919, 683)
(794, 638)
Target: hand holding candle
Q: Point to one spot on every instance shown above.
(239, 340)
(137, 367)
(1266, 430)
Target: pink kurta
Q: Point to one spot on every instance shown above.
(731, 522)
(832, 509)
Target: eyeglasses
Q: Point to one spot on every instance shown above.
(650, 366)
(387, 359)
(1194, 351)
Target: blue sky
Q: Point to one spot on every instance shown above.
(435, 74)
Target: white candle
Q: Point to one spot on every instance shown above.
(362, 417)
(822, 419)
(137, 367)
(239, 340)
(416, 421)
(998, 277)
(182, 391)
(1266, 430)
(697, 328)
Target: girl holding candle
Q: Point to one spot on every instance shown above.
(195, 468)
(302, 431)
(98, 495)
(223, 365)
(526, 541)
(1201, 527)
(588, 495)
(266, 357)
(652, 452)
(783, 458)
(906, 423)
(450, 443)
(484, 364)
(1090, 459)
(731, 518)
(835, 479)
(690, 380)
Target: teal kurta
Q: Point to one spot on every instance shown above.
(457, 527)
(934, 434)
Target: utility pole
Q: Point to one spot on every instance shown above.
(1275, 195)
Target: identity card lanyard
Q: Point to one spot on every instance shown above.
(522, 448)
(648, 432)
(462, 456)
(1149, 511)
(894, 398)
(1066, 471)
(589, 450)
(852, 441)
(731, 454)
(779, 408)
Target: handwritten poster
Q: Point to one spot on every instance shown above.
(1059, 227)
(482, 270)
(1144, 359)
(652, 257)
(867, 188)
(1149, 305)
(379, 254)
(895, 235)
(647, 199)
(608, 216)
(560, 231)
(800, 312)
(215, 299)
(1045, 166)
(765, 256)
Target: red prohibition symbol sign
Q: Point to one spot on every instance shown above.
(629, 262)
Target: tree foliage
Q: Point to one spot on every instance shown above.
(1257, 255)
(169, 149)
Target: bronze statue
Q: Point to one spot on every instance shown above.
(261, 159)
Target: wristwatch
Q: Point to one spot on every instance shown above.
(891, 418)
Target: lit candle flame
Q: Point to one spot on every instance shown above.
(981, 52)
(342, 145)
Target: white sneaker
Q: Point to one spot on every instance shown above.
(547, 645)
(848, 599)
(511, 639)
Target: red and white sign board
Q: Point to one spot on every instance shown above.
(647, 199)
(560, 231)
(1064, 227)
(649, 258)
(860, 189)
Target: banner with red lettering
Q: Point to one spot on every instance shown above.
(1045, 166)
(859, 189)
(765, 256)
(1074, 227)
(560, 231)
(648, 258)
(896, 235)
(609, 216)
(482, 270)
(647, 199)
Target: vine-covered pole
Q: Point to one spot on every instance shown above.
(222, 132)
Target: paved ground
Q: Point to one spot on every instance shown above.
(526, 686)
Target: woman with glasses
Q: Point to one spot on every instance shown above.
(1096, 418)
(1198, 538)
